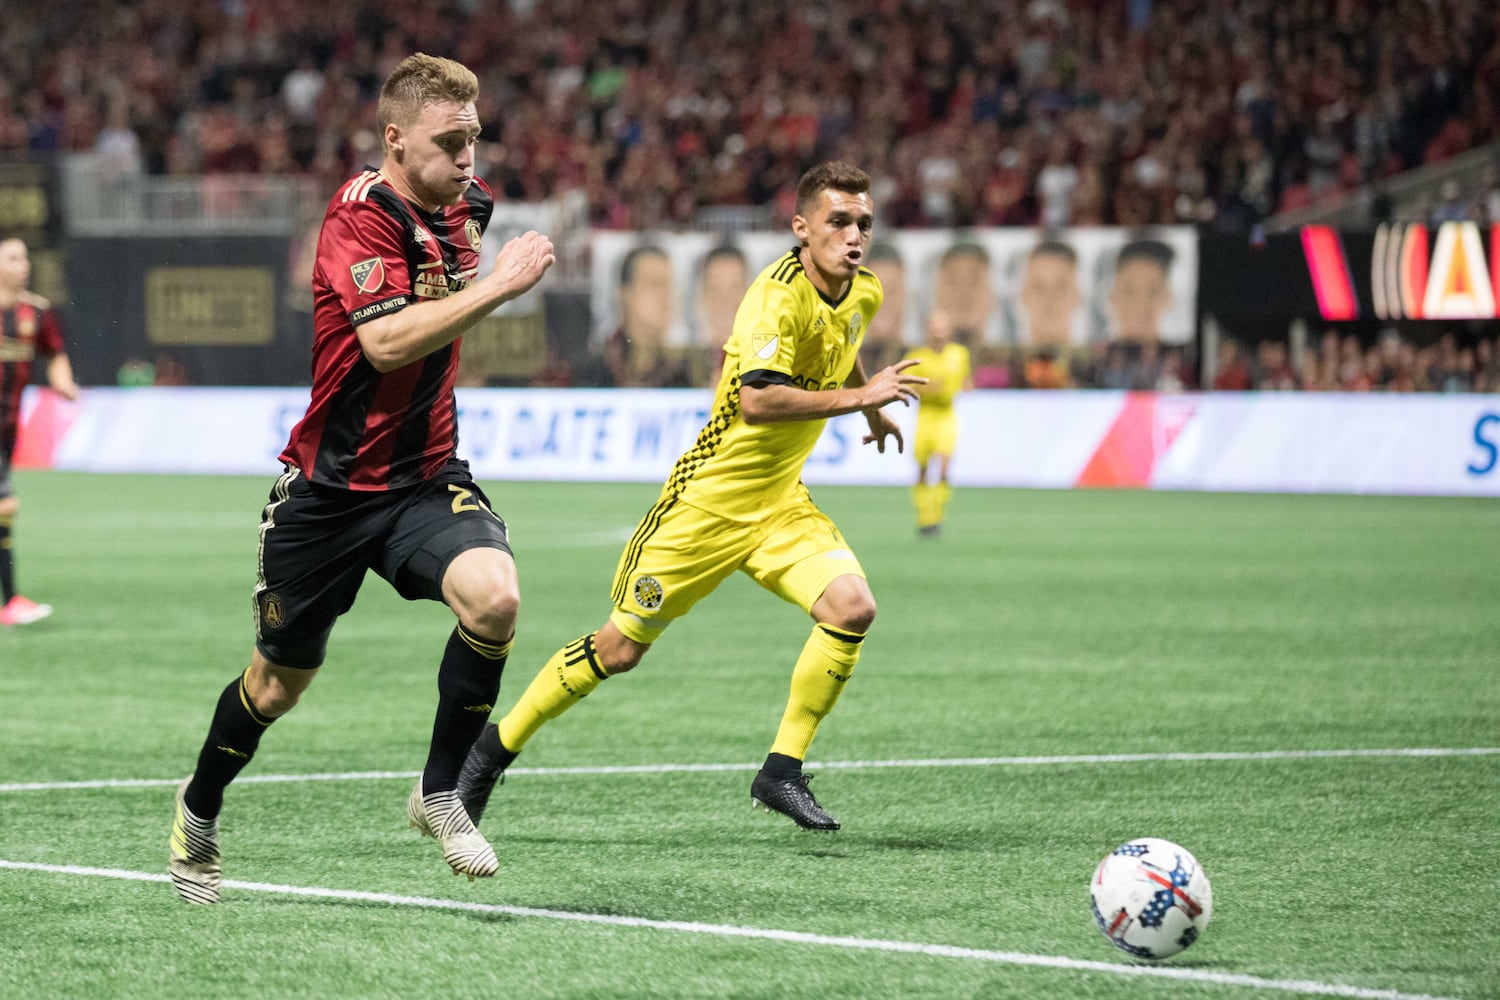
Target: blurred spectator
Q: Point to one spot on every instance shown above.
(1046, 369)
(1273, 369)
(1232, 373)
(1119, 112)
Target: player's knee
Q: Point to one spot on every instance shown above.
(9, 505)
(846, 605)
(858, 615)
(492, 610)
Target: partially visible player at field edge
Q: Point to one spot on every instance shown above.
(946, 365)
(372, 480)
(735, 499)
(28, 329)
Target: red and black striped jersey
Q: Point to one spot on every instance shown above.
(378, 253)
(28, 330)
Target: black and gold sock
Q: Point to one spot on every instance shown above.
(468, 684)
(233, 737)
(7, 567)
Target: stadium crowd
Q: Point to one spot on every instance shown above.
(1015, 112)
(1335, 362)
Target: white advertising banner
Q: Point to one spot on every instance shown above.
(1252, 442)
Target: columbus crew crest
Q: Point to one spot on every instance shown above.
(855, 323)
(648, 592)
(471, 230)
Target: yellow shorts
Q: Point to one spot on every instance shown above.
(679, 554)
(937, 433)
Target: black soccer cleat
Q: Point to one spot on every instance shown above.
(482, 770)
(791, 797)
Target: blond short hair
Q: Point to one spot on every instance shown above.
(419, 80)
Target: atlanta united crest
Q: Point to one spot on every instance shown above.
(471, 230)
(270, 611)
(648, 592)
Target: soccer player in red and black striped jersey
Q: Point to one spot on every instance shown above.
(372, 480)
(28, 330)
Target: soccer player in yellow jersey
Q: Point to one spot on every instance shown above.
(946, 365)
(735, 499)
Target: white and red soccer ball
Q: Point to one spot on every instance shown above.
(1151, 898)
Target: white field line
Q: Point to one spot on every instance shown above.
(768, 934)
(830, 765)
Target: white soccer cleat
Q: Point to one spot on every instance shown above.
(193, 854)
(442, 815)
(22, 611)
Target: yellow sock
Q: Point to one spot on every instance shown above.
(942, 493)
(924, 496)
(818, 679)
(571, 674)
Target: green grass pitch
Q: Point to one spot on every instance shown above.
(1013, 660)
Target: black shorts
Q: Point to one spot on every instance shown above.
(316, 542)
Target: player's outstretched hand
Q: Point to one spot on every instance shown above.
(882, 427)
(523, 260)
(887, 386)
(891, 384)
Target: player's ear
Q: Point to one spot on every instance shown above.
(393, 143)
(800, 228)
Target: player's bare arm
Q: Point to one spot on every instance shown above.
(60, 376)
(414, 332)
(770, 404)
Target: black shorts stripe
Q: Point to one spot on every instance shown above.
(279, 494)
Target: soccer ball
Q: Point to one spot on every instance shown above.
(1151, 898)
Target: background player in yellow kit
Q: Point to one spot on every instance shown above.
(735, 499)
(945, 362)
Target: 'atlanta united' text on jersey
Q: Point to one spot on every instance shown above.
(785, 332)
(28, 330)
(379, 253)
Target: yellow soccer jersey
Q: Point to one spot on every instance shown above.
(789, 333)
(947, 372)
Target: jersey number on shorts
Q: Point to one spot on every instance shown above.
(463, 501)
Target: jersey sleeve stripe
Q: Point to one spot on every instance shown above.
(359, 189)
(787, 269)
